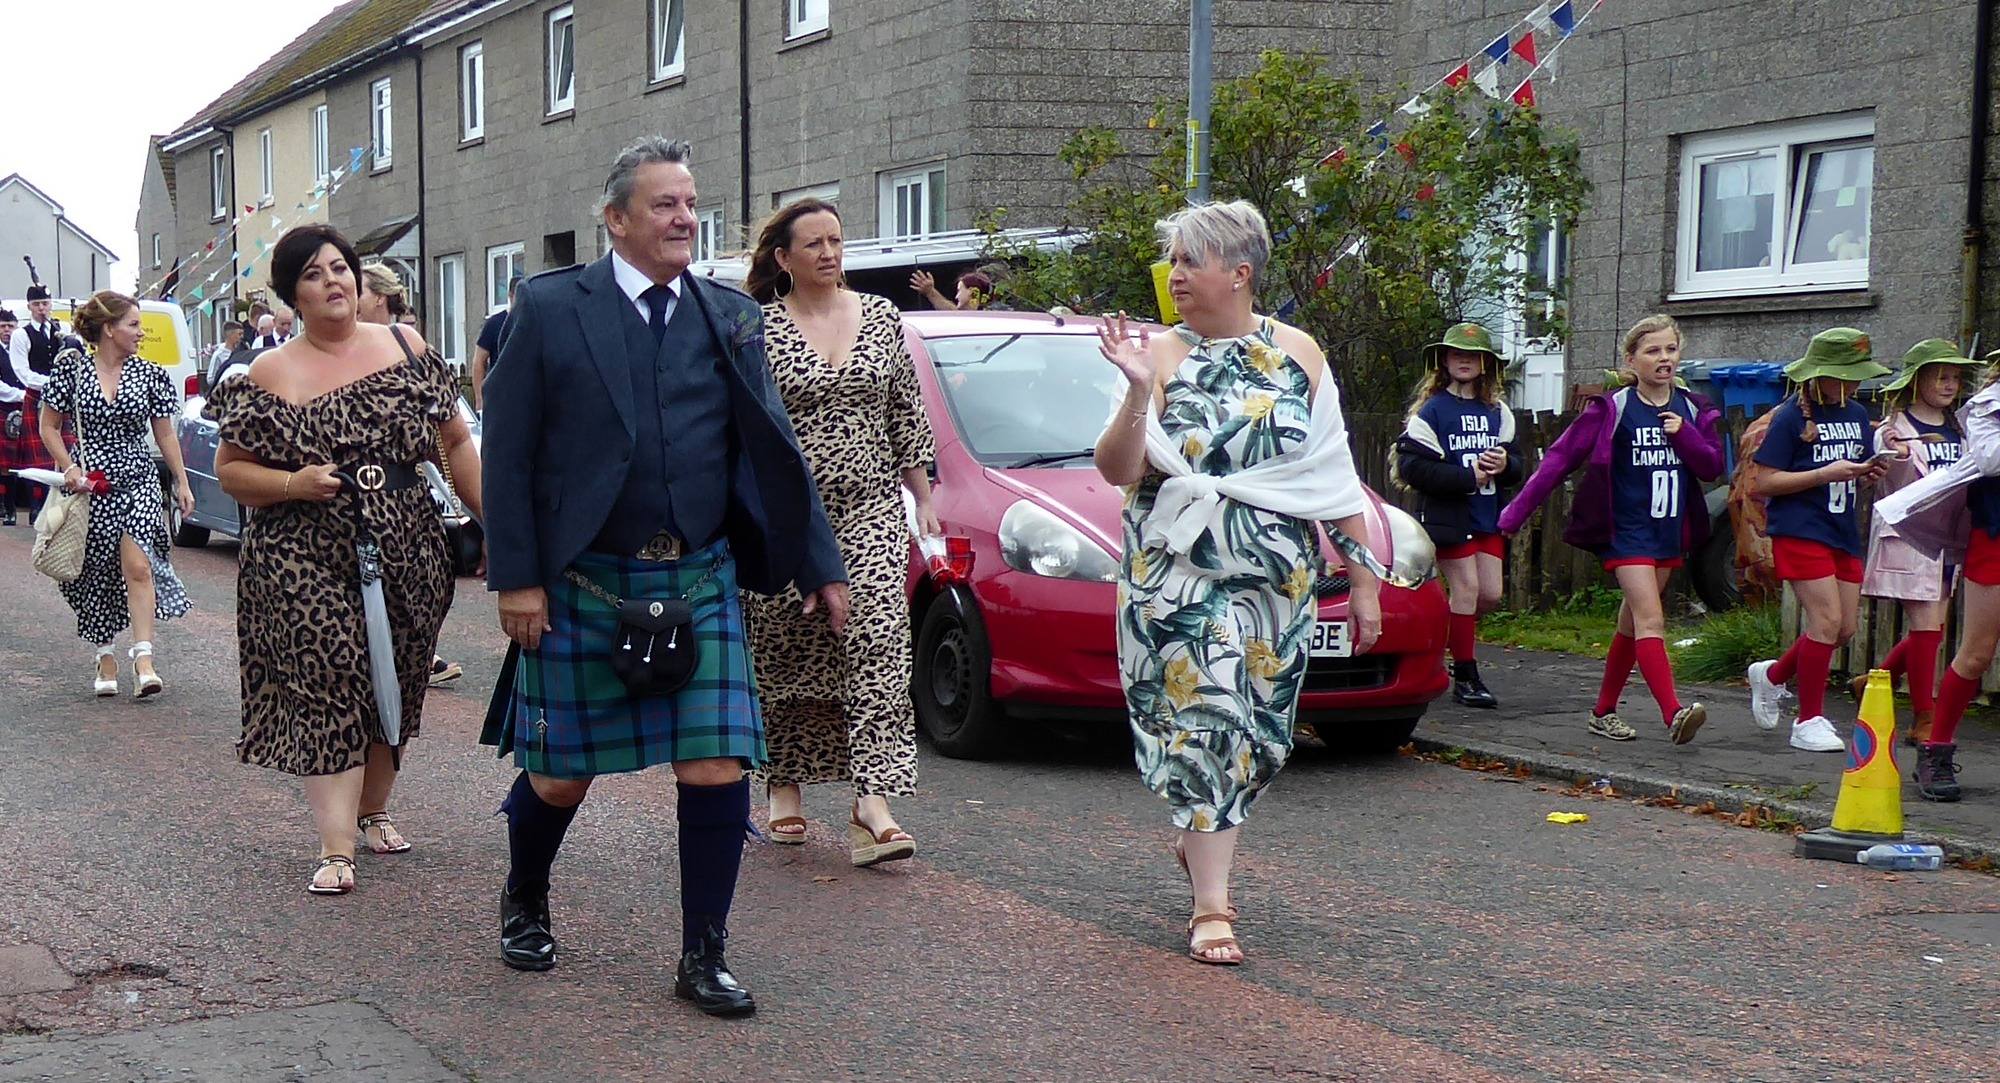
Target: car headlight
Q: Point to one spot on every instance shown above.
(1415, 554)
(1034, 540)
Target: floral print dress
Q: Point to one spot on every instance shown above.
(1212, 644)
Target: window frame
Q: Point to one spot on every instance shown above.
(156, 251)
(218, 183)
(551, 59)
(516, 252)
(709, 224)
(472, 91)
(451, 308)
(1791, 144)
(267, 169)
(322, 148)
(660, 71)
(807, 17)
(889, 200)
(382, 122)
(829, 191)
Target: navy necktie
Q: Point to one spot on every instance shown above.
(657, 299)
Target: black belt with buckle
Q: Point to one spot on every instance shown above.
(384, 477)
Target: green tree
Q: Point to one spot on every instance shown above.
(1376, 251)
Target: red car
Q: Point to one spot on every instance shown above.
(1014, 620)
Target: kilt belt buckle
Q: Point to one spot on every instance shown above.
(664, 547)
(371, 478)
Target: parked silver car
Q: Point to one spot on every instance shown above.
(216, 513)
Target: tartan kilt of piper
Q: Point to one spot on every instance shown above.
(21, 435)
(569, 716)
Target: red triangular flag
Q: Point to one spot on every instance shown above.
(1525, 48)
(1338, 157)
(1524, 95)
(1408, 152)
(1459, 75)
(1427, 193)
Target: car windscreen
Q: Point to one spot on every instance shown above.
(1026, 399)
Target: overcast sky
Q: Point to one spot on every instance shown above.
(86, 81)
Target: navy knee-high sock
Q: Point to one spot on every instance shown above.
(711, 841)
(535, 831)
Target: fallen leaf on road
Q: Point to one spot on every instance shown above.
(1569, 818)
(825, 879)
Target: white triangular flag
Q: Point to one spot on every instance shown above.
(1488, 80)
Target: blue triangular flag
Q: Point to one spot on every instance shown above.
(354, 158)
(1499, 49)
(1379, 132)
(1564, 16)
(247, 270)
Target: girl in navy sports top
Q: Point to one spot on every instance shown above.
(1646, 448)
(1817, 453)
(1456, 453)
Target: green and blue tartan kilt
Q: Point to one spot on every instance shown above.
(571, 717)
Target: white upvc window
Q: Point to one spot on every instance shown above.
(381, 126)
(322, 157)
(219, 317)
(828, 192)
(669, 39)
(503, 262)
(1775, 209)
(804, 17)
(218, 184)
(472, 91)
(911, 202)
(451, 308)
(267, 167)
(708, 234)
(561, 50)
(156, 251)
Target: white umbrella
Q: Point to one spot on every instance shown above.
(375, 614)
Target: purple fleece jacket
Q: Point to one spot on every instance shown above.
(1588, 442)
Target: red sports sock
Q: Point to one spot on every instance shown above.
(1953, 696)
(1617, 670)
(1787, 664)
(1464, 636)
(1898, 659)
(1659, 674)
(1922, 665)
(1815, 658)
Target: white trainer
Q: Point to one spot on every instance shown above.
(1816, 734)
(1766, 696)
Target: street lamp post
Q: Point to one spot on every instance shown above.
(1201, 48)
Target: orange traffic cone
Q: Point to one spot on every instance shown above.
(1869, 809)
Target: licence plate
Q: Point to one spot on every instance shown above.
(1329, 640)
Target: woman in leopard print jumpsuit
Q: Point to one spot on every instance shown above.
(838, 708)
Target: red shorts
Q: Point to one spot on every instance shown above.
(1797, 558)
(1982, 558)
(1643, 562)
(1493, 545)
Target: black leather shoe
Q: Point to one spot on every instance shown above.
(705, 979)
(1472, 692)
(525, 940)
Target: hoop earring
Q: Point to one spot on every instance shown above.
(787, 291)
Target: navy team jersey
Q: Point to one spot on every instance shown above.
(1938, 446)
(1824, 513)
(1647, 485)
(1464, 428)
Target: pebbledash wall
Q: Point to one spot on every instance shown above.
(1647, 85)
(984, 90)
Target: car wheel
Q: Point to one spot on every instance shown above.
(949, 681)
(1713, 573)
(185, 534)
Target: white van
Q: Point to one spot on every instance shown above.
(169, 343)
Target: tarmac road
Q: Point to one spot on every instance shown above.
(1404, 919)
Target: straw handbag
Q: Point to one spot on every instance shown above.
(63, 528)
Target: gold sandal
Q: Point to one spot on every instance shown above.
(343, 881)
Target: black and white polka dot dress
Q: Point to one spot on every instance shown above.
(114, 441)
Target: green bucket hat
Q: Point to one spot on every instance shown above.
(1931, 351)
(1839, 352)
(1464, 336)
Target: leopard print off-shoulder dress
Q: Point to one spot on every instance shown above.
(837, 709)
(308, 703)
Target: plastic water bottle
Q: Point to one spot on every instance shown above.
(1901, 857)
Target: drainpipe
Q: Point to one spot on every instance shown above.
(743, 109)
(1975, 173)
(423, 227)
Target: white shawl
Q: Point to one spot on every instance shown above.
(1314, 481)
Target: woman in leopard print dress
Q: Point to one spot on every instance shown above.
(838, 708)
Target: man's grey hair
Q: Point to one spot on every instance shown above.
(266, 322)
(1232, 232)
(647, 151)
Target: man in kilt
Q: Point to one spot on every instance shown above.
(636, 450)
(20, 424)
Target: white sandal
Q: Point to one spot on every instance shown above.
(100, 684)
(149, 684)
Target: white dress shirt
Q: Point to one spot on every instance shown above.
(634, 282)
(17, 352)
